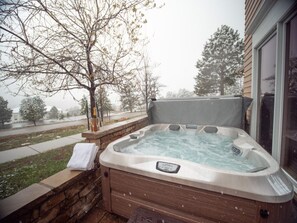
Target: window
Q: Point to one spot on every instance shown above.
(289, 143)
(267, 60)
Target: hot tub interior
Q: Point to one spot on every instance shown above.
(221, 148)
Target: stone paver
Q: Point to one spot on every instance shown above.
(57, 143)
(17, 153)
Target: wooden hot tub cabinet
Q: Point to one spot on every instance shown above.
(123, 192)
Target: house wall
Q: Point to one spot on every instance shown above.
(68, 195)
(251, 7)
(265, 19)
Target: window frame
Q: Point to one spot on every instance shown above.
(283, 93)
(256, 82)
(274, 22)
(269, 37)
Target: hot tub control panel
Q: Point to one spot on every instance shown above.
(167, 167)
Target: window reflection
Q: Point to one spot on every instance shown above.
(290, 101)
(267, 57)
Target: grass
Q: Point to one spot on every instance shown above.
(19, 174)
(7, 143)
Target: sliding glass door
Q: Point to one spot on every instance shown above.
(289, 139)
(267, 60)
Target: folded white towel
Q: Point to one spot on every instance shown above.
(83, 156)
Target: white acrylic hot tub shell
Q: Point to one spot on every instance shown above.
(268, 185)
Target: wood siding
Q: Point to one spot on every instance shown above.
(251, 7)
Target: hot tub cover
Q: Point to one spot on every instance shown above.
(221, 111)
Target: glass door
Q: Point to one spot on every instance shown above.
(289, 140)
(267, 60)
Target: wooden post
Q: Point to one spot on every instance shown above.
(106, 188)
(94, 121)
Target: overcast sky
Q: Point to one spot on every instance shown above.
(177, 33)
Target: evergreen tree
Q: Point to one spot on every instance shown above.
(61, 115)
(181, 93)
(53, 113)
(5, 112)
(84, 110)
(32, 109)
(221, 59)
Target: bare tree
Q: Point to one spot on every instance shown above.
(103, 102)
(149, 85)
(129, 95)
(54, 45)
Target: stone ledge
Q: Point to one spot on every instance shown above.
(22, 199)
(62, 178)
(46, 195)
(105, 130)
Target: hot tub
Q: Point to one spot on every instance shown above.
(190, 187)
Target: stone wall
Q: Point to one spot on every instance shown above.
(109, 133)
(63, 197)
(68, 195)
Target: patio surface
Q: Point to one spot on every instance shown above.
(98, 215)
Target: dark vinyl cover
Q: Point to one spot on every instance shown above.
(226, 111)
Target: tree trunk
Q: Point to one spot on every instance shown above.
(101, 106)
(146, 92)
(92, 87)
(130, 106)
(87, 113)
(101, 114)
(93, 103)
(222, 90)
(34, 122)
(98, 112)
(94, 125)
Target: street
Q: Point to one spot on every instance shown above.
(60, 124)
